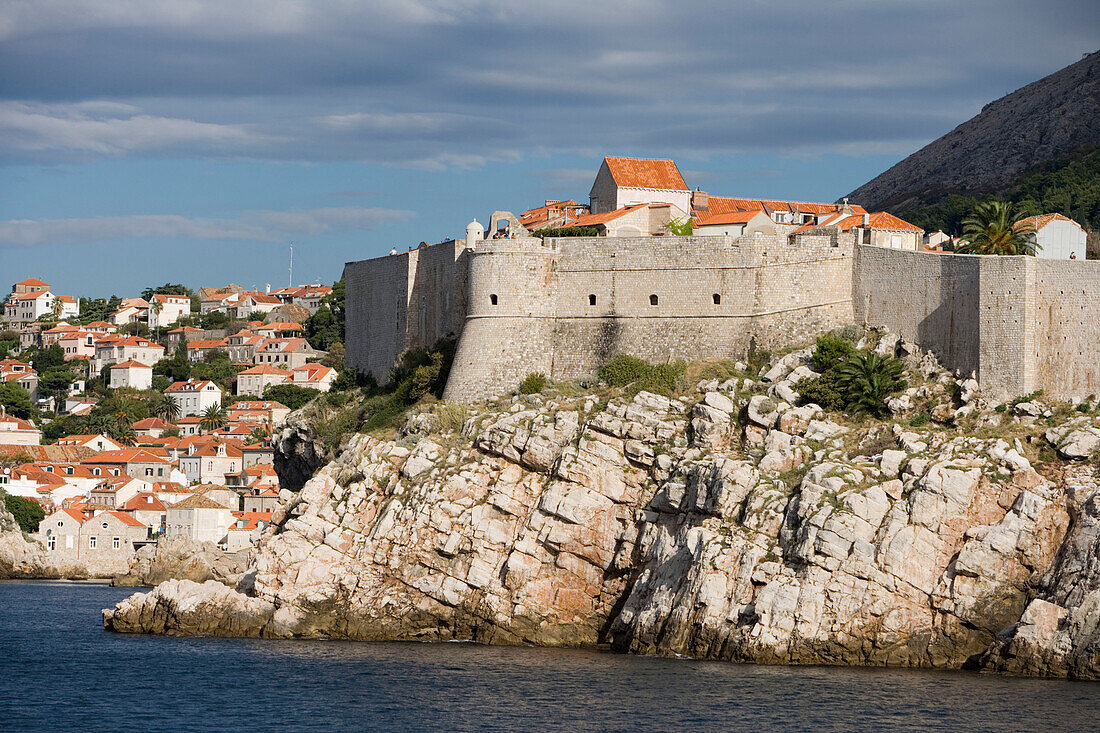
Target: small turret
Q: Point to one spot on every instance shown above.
(474, 233)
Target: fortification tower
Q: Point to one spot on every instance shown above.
(509, 322)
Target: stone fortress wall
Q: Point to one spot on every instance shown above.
(1019, 323)
(564, 306)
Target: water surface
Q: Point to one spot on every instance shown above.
(63, 672)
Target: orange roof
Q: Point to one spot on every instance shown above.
(205, 344)
(126, 519)
(266, 369)
(190, 386)
(31, 296)
(165, 298)
(589, 220)
(724, 204)
(145, 500)
(646, 173)
(129, 364)
(127, 455)
(732, 217)
(151, 423)
(77, 515)
(20, 424)
(1040, 221)
(186, 329)
(33, 281)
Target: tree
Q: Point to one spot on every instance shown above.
(213, 418)
(166, 407)
(680, 227)
(27, 513)
(155, 307)
(48, 358)
(16, 400)
(995, 228)
(56, 383)
(167, 289)
(321, 328)
(290, 395)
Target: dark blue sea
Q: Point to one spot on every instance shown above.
(62, 672)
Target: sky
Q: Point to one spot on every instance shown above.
(196, 142)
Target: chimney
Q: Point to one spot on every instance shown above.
(699, 200)
(267, 288)
(866, 220)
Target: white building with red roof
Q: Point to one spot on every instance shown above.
(622, 182)
(314, 376)
(195, 396)
(146, 508)
(114, 349)
(17, 431)
(287, 353)
(199, 518)
(165, 310)
(1057, 237)
(96, 441)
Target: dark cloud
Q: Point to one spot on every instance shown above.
(439, 84)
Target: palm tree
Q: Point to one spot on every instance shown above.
(167, 408)
(213, 418)
(866, 379)
(996, 228)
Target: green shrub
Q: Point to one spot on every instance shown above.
(917, 420)
(290, 395)
(821, 391)
(831, 351)
(623, 369)
(533, 383)
(866, 379)
(27, 513)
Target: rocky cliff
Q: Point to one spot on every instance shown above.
(724, 524)
(1055, 116)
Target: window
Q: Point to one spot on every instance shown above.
(717, 299)
(653, 300)
(148, 472)
(592, 299)
(91, 543)
(51, 543)
(104, 525)
(493, 299)
(116, 542)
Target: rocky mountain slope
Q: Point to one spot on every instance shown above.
(724, 524)
(1053, 117)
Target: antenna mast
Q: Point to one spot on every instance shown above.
(291, 283)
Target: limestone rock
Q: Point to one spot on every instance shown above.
(1079, 438)
(181, 558)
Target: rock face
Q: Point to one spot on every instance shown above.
(20, 558)
(732, 527)
(298, 452)
(184, 559)
(1049, 118)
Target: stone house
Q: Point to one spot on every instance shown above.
(199, 518)
(287, 353)
(634, 220)
(242, 346)
(314, 376)
(59, 532)
(114, 349)
(246, 530)
(147, 509)
(140, 463)
(151, 427)
(97, 443)
(733, 224)
(254, 380)
(211, 463)
(114, 492)
(261, 499)
(623, 182)
(104, 542)
(131, 374)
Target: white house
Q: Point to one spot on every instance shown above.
(133, 374)
(16, 431)
(314, 376)
(199, 518)
(210, 463)
(171, 308)
(97, 442)
(635, 220)
(113, 349)
(287, 353)
(1058, 237)
(195, 397)
(132, 310)
(622, 182)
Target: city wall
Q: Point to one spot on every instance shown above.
(1019, 323)
(565, 306)
(402, 301)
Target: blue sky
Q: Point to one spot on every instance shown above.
(145, 141)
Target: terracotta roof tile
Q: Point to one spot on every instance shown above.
(646, 173)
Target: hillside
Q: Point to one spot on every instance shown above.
(1057, 117)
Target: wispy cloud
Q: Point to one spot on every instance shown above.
(256, 226)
